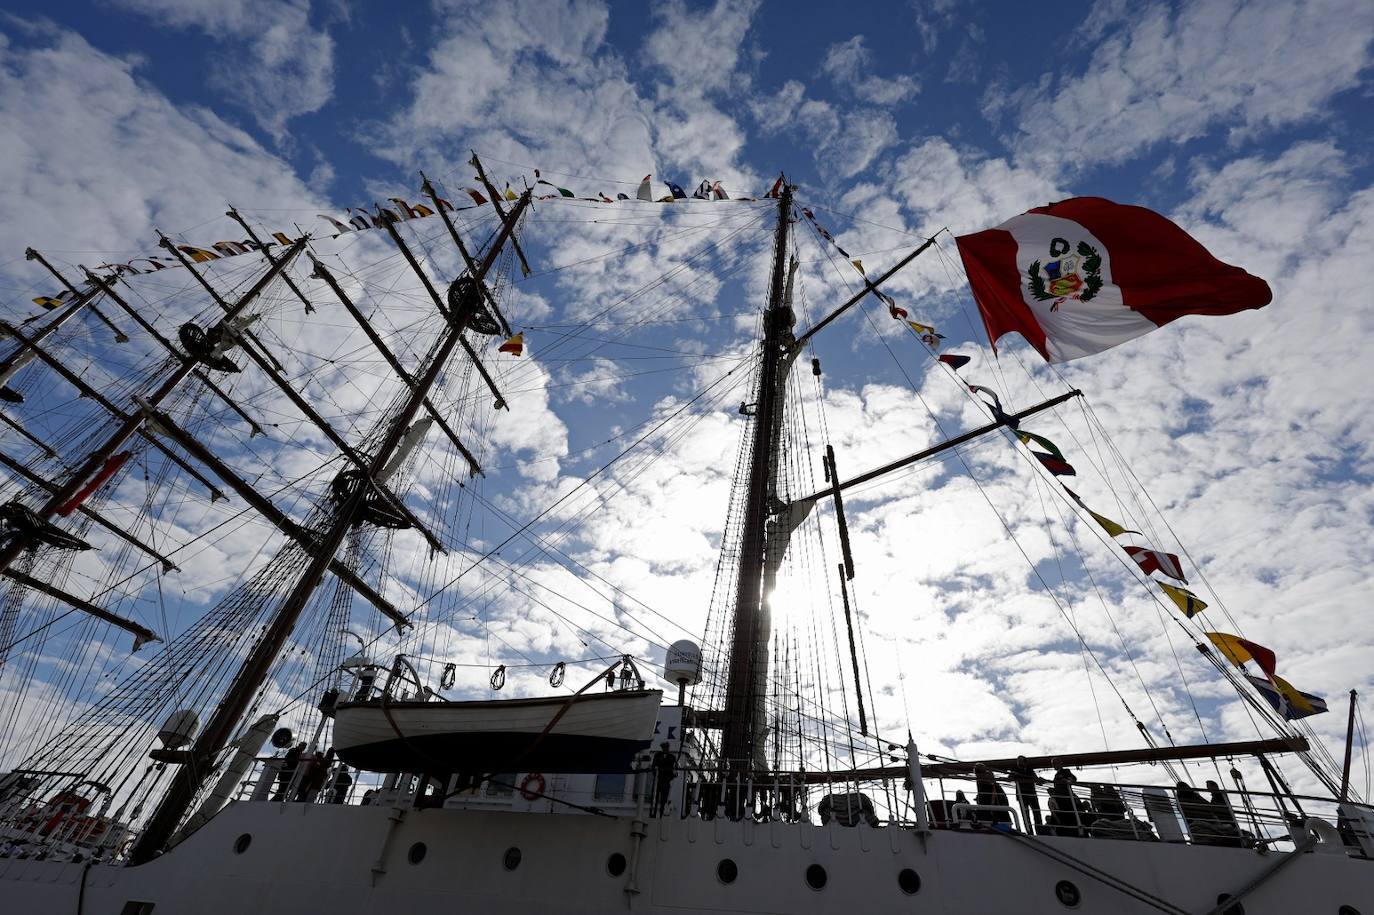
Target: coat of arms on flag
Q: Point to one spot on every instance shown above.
(1062, 279)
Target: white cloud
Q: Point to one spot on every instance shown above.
(848, 63)
(152, 163)
(1166, 77)
(845, 141)
(964, 188)
(700, 49)
(280, 66)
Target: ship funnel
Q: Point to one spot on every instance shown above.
(177, 731)
(682, 666)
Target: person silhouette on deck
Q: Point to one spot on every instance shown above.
(990, 794)
(340, 785)
(961, 816)
(312, 779)
(665, 770)
(1221, 806)
(1199, 814)
(1222, 814)
(1069, 814)
(1025, 779)
(290, 762)
(1107, 802)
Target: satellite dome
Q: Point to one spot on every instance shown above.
(683, 662)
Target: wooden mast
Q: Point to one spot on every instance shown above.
(748, 672)
(273, 370)
(385, 351)
(253, 672)
(105, 285)
(132, 423)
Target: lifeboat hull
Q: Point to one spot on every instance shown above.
(598, 732)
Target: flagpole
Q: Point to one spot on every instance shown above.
(1349, 743)
(943, 446)
(869, 286)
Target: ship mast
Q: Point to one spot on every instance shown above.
(253, 673)
(132, 424)
(747, 684)
(745, 721)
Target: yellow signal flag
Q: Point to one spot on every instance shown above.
(1111, 527)
(48, 302)
(515, 345)
(859, 266)
(1238, 650)
(1186, 600)
(920, 328)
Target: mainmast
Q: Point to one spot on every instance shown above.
(253, 673)
(747, 685)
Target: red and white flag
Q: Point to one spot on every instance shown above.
(1084, 274)
(1156, 561)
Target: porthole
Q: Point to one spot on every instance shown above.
(615, 864)
(241, 843)
(1067, 894)
(816, 877)
(727, 871)
(511, 860)
(417, 853)
(909, 881)
(1236, 909)
(1347, 910)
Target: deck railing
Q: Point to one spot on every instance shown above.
(34, 827)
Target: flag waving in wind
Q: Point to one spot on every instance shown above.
(1185, 600)
(1085, 274)
(995, 407)
(1238, 650)
(1156, 561)
(1291, 703)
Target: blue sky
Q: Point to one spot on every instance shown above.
(1248, 123)
(960, 58)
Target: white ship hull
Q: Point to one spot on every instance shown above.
(597, 732)
(303, 858)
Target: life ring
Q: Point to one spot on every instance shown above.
(532, 786)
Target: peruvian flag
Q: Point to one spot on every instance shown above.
(1084, 274)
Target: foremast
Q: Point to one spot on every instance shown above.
(747, 684)
(253, 673)
(133, 424)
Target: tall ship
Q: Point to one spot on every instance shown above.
(389, 656)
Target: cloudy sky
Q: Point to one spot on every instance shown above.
(1240, 442)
